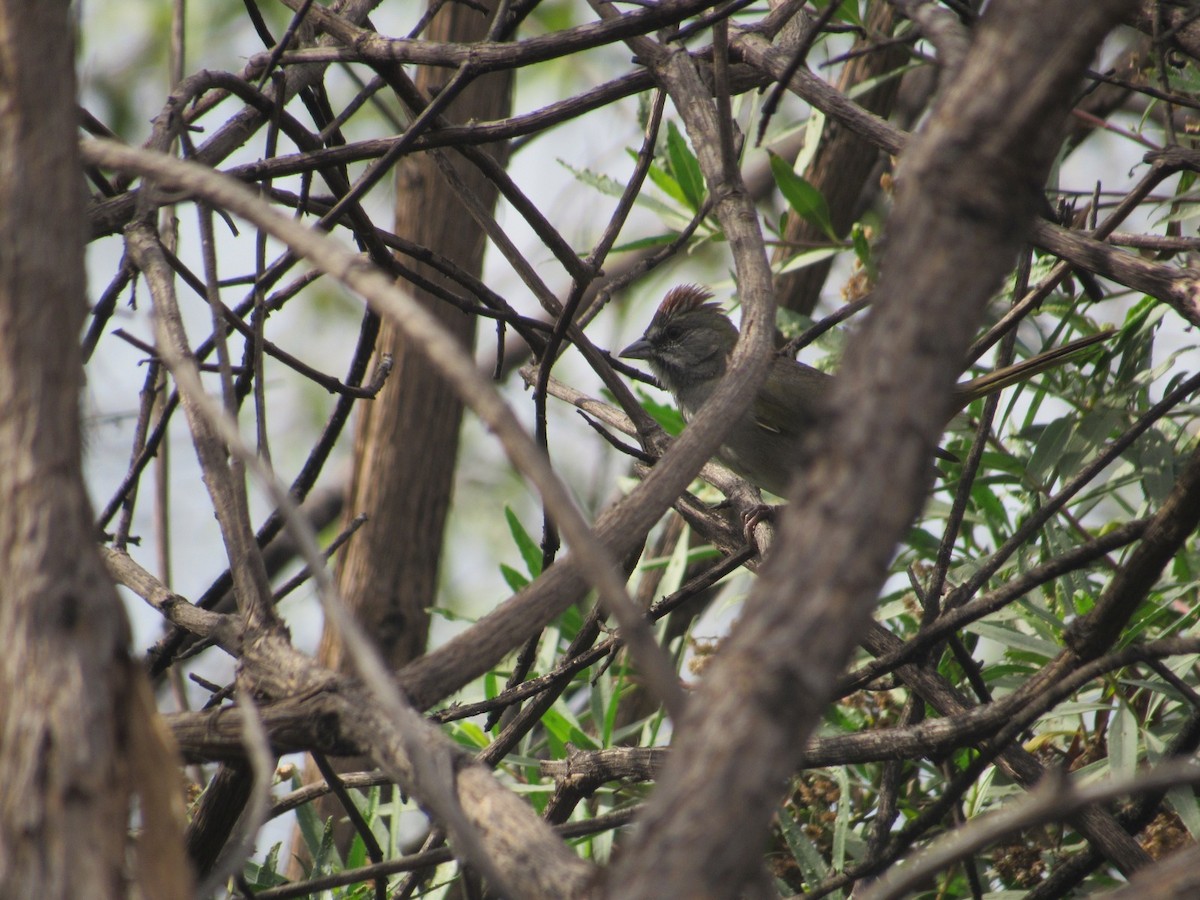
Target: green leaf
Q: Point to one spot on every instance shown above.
(676, 569)
(862, 250)
(813, 129)
(667, 416)
(605, 184)
(613, 188)
(923, 542)
(358, 853)
(611, 708)
(685, 167)
(1015, 640)
(1156, 465)
(807, 857)
(657, 240)
(791, 323)
(869, 85)
(989, 505)
(1123, 741)
(1183, 800)
(470, 735)
(325, 855)
(570, 622)
(266, 875)
(849, 12)
(450, 615)
(667, 183)
(842, 823)
(808, 258)
(805, 199)
(312, 830)
(562, 725)
(1187, 179)
(530, 552)
(1049, 449)
(514, 579)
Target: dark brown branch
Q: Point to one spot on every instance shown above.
(367, 46)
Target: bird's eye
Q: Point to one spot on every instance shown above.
(671, 333)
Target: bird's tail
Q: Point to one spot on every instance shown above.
(998, 380)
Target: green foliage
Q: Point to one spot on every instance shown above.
(805, 199)
(683, 170)
(863, 252)
(848, 10)
(260, 876)
(530, 552)
(666, 415)
(1046, 434)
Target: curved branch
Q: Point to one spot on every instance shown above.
(443, 352)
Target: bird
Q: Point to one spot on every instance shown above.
(687, 346)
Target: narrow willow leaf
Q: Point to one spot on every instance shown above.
(685, 167)
(805, 199)
(530, 551)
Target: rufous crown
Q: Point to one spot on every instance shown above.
(684, 298)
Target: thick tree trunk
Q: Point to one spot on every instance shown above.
(407, 441)
(73, 718)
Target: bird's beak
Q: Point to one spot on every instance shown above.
(639, 349)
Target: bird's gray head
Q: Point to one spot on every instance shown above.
(688, 341)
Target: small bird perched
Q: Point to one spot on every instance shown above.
(688, 344)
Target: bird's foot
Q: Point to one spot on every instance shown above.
(751, 519)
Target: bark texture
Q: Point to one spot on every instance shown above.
(71, 723)
(406, 446)
(843, 163)
(407, 440)
(968, 189)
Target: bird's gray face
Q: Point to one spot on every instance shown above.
(686, 350)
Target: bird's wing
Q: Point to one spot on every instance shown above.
(790, 401)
